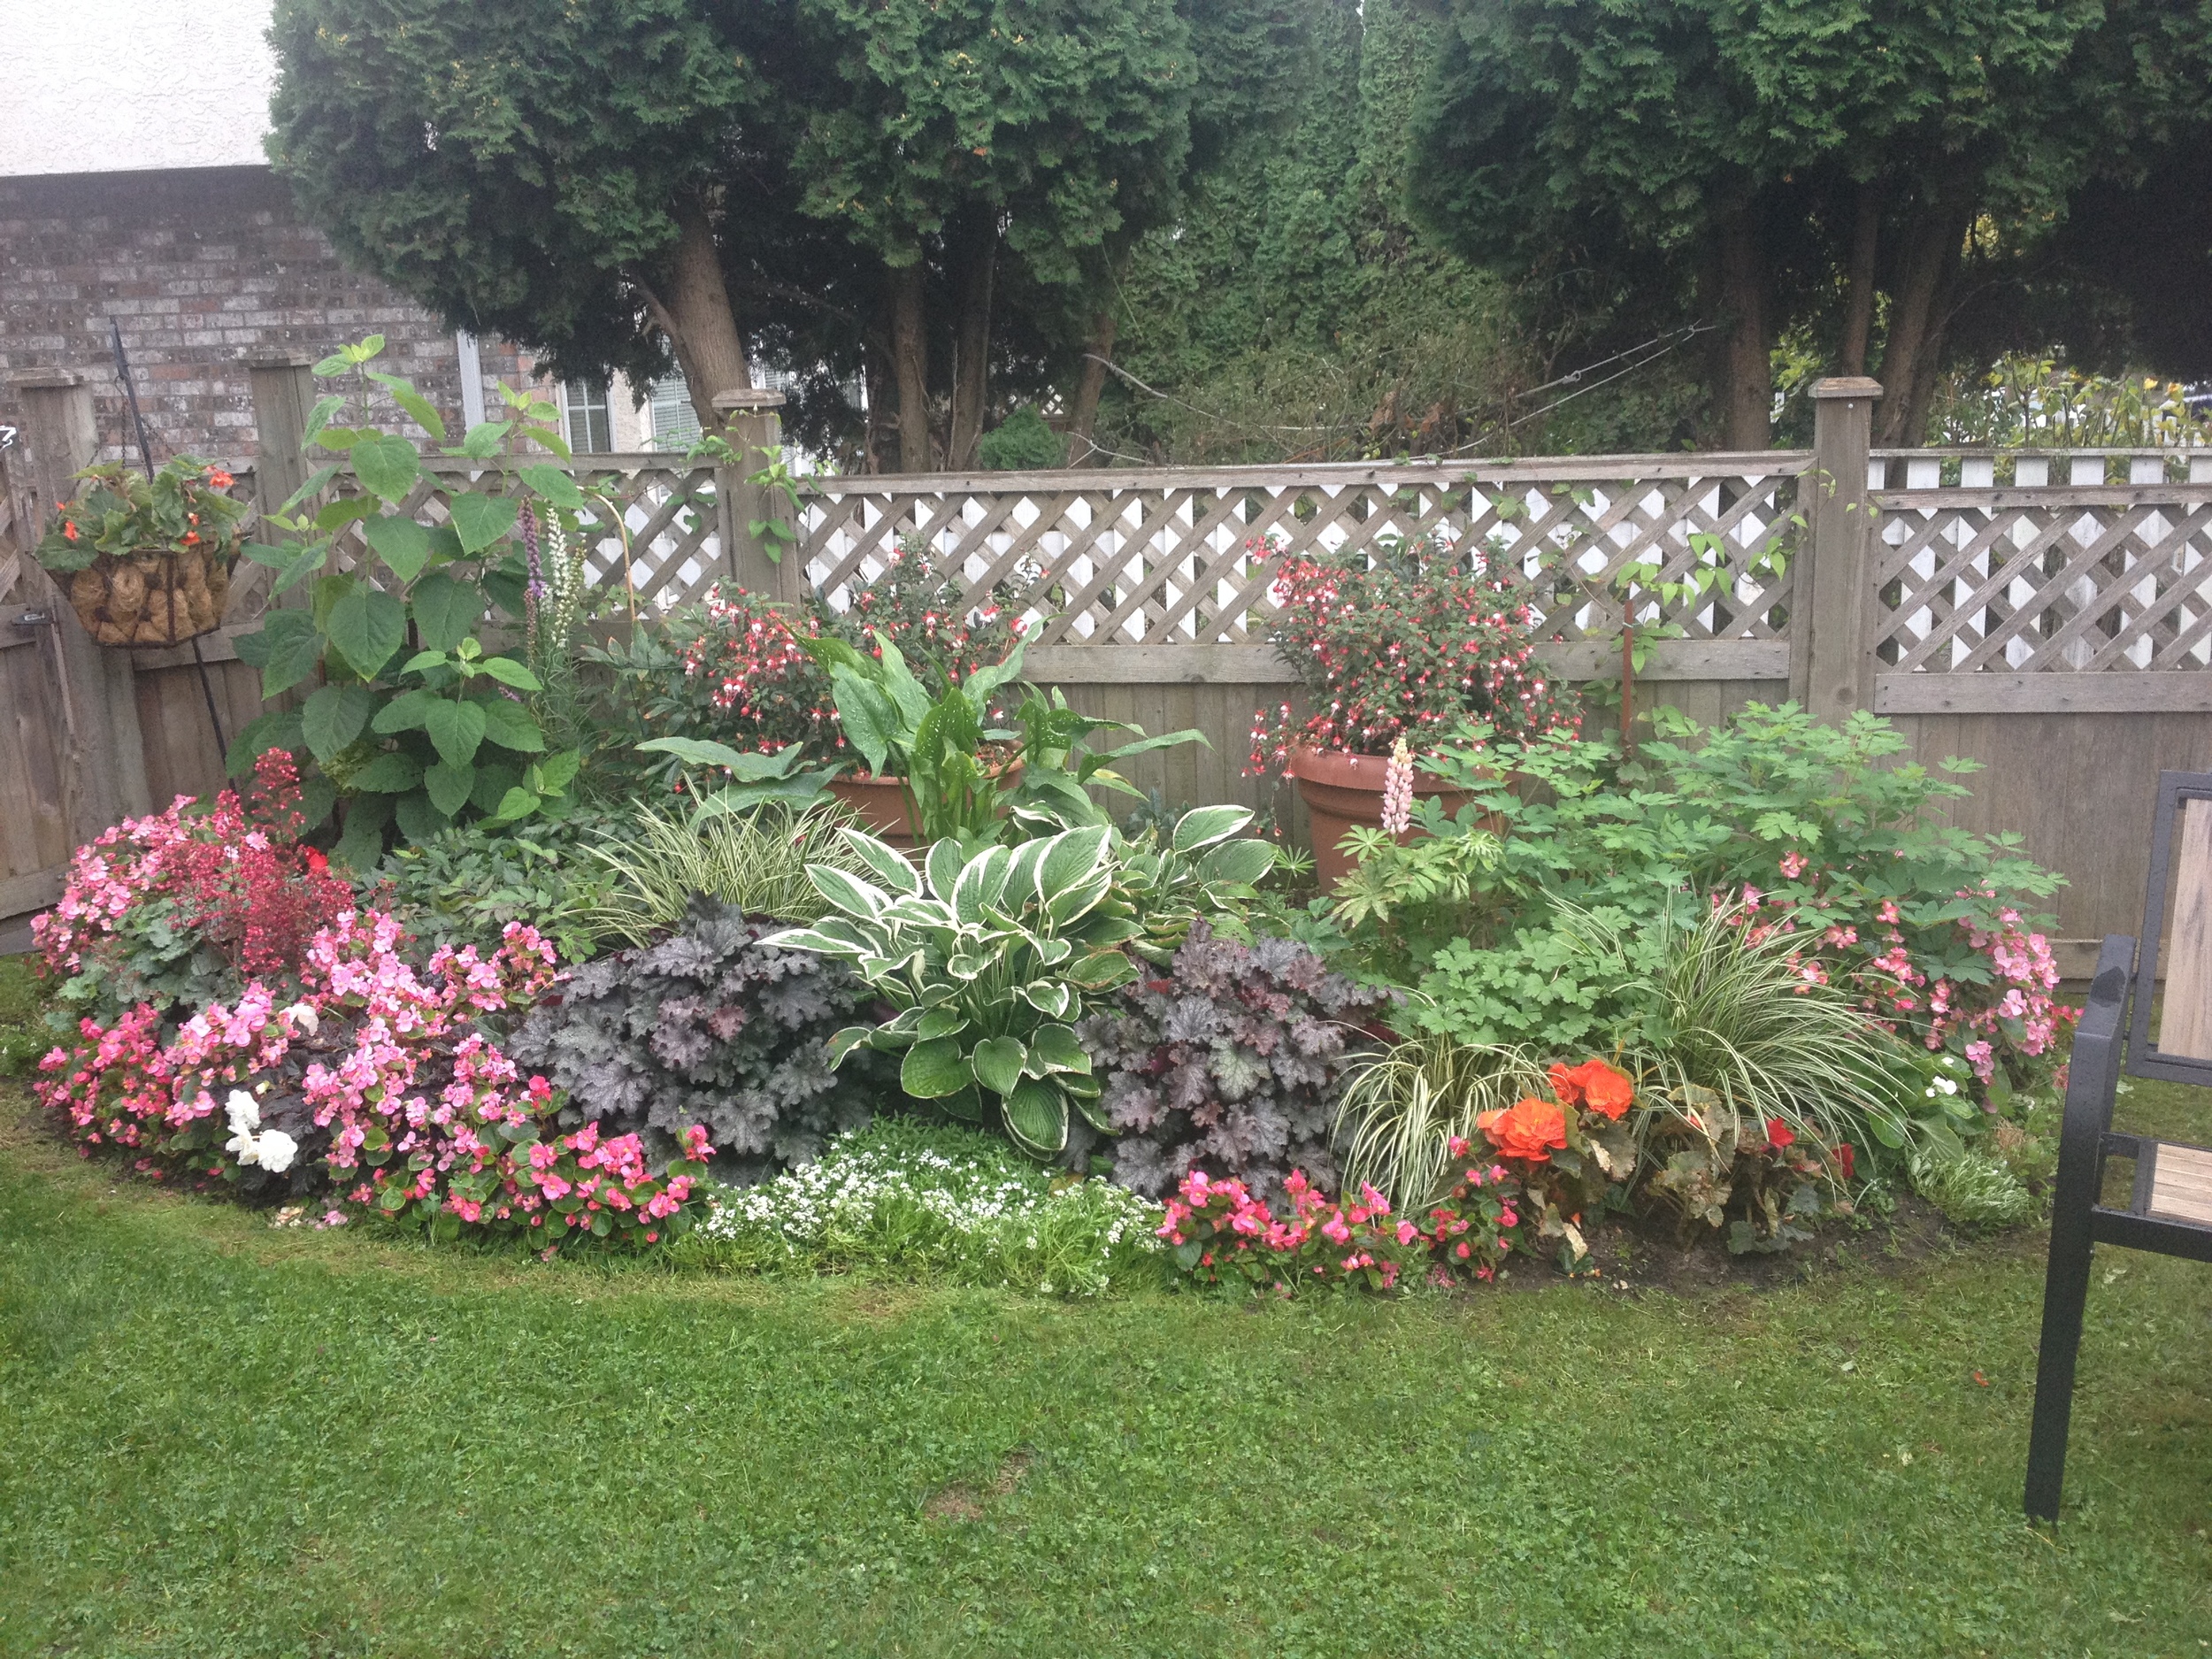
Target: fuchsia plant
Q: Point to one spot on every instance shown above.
(380, 1072)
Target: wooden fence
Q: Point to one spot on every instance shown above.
(2049, 615)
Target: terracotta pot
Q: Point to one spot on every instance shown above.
(880, 805)
(156, 596)
(1342, 790)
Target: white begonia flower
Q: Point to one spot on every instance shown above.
(277, 1151)
(302, 1015)
(1947, 1086)
(245, 1113)
(245, 1146)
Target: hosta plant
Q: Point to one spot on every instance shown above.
(987, 955)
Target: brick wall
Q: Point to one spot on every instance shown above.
(200, 267)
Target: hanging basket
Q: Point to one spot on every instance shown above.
(155, 597)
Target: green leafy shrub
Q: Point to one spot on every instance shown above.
(1821, 828)
(709, 1025)
(1229, 1060)
(467, 882)
(1022, 443)
(25, 1036)
(907, 1200)
(413, 721)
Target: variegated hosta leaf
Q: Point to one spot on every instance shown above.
(1075, 901)
(1202, 827)
(1021, 873)
(936, 1069)
(1056, 1048)
(1242, 862)
(1070, 859)
(1093, 1110)
(1098, 931)
(941, 1022)
(965, 1104)
(1053, 952)
(845, 1042)
(890, 866)
(967, 968)
(813, 939)
(1100, 972)
(998, 1063)
(1036, 1118)
(918, 913)
(1048, 996)
(979, 885)
(943, 866)
(847, 892)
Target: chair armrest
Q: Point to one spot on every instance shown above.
(2093, 1077)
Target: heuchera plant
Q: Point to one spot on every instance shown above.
(1230, 1062)
(710, 1027)
(1414, 645)
(380, 1086)
(189, 905)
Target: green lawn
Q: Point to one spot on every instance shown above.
(224, 1439)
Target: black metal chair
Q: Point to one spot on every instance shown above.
(2169, 1203)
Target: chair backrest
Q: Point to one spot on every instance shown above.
(2181, 871)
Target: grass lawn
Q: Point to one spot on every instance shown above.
(224, 1439)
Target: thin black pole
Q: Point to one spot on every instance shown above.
(146, 460)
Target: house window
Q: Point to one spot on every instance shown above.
(675, 423)
(589, 432)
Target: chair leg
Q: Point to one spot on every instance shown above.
(2065, 1295)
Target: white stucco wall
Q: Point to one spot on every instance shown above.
(117, 85)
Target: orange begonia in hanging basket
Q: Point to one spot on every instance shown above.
(146, 561)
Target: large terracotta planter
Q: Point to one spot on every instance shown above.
(879, 804)
(1342, 790)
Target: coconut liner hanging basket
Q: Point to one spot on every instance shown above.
(157, 597)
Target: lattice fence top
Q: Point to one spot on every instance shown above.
(1178, 556)
(672, 548)
(2059, 571)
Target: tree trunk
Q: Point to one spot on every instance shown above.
(1916, 321)
(691, 305)
(1083, 414)
(875, 368)
(910, 366)
(1747, 389)
(1858, 316)
(972, 347)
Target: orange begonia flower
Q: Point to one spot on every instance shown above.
(1529, 1129)
(1596, 1085)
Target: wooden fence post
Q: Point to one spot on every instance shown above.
(1831, 618)
(283, 395)
(756, 432)
(104, 769)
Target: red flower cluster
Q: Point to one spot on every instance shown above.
(1411, 645)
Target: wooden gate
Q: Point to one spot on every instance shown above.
(35, 819)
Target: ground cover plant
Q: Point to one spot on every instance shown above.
(903, 1199)
(413, 1450)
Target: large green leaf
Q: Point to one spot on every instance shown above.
(556, 773)
(1070, 859)
(419, 817)
(965, 1104)
(555, 484)
(445, 611)
(931, 1070)
(414, 402)
(366, 626)
(938, 1022)
(450, 785)
(334, 717)
(1037, 1118)
(288, 648)
(510, 726)
(362, 842)
(1242, 862)
(405, 713)
(870, 721)
(479, 521)
(455, 729)
(998, 1063)
(401, 542)
(387, 467)
(507, 671)
(387, 774)
(746, 765)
